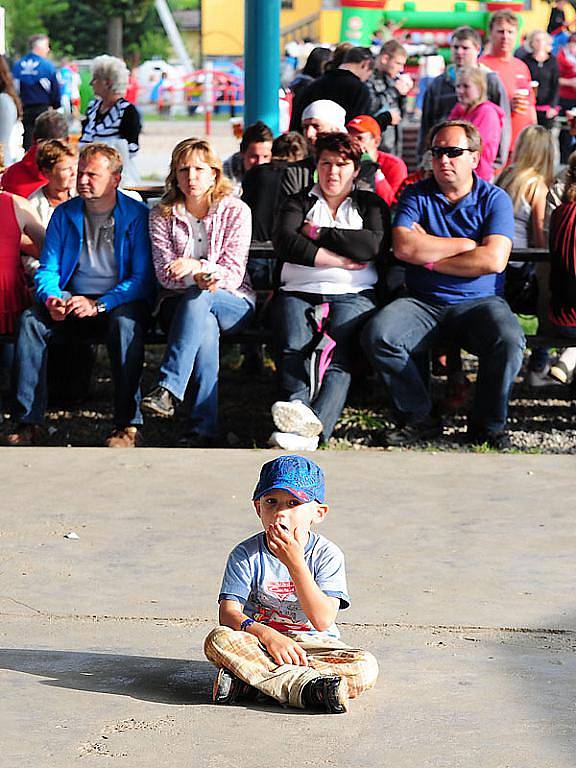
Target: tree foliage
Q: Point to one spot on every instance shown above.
(131, 11)
(82, 32)
(78, 28)
(29, 17)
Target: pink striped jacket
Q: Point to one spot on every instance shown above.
(228, 229)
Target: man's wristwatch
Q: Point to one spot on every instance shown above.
(100, 307)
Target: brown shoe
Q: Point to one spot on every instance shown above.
(125, 437)
(25, 435)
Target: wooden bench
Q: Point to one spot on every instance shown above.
(259, 332)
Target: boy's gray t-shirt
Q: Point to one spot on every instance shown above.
(256, 578)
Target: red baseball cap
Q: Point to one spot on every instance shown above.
(365, 124)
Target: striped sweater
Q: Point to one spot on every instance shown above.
(120, 121)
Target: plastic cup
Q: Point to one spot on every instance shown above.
(237, 125)
(521, 100)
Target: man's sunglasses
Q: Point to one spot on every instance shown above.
(450, 152)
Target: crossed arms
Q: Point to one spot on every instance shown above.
(457, 256)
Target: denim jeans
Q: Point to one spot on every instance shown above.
(123, 329)
(400, 334)
(192, 354)
(295, 335)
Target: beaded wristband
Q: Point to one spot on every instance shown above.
(245, 624)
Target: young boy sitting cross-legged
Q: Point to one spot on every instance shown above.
(281, 591)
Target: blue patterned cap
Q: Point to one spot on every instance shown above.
(299, 476)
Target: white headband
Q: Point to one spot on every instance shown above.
(328, 112)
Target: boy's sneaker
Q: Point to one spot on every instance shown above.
(159, 401)
(293, 416)
(289, 441)
(228, 689)
(327, 694)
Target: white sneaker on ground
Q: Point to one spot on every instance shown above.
(563, 368)
(293, 416)
(288, 441)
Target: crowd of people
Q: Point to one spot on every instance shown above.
(407, 268)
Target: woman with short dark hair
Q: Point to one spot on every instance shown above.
(329, 240)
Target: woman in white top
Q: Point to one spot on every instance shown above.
(10, 111)
(329, 241)
(59, 164)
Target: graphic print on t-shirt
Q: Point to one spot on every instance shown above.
(279, 607)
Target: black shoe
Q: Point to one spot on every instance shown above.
(327, 694)
(499, 441)
(160, 402)
(228, 689)
(418, 432)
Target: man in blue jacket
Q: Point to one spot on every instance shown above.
(36, 80)
(95, 280)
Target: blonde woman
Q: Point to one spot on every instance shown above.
(473, 105)
(200, 237)
(527, 181)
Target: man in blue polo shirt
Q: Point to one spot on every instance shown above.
(36, 80)
(454, 232)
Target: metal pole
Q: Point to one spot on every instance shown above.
(208, 96)
(165, 14)
(262, 62)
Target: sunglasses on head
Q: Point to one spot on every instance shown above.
(450, 152)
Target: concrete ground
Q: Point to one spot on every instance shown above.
(460, 567)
